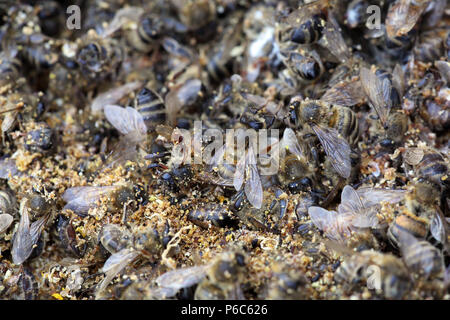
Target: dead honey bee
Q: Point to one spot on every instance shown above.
(151, 106)
(416, 226)
(195, 13)
(242, 175)
(304, 25)
(296, 172)
(384, 93)
(428, 164)
(26, 235)
(81, 199)
(143, 29)
(220, 279)
(98, 57)
(356, 215)
(305, 66)
(212, 214)
(67, 236)
(382, 271)
(287, 283)
(421, 257)
(125, 247)
(335, 126)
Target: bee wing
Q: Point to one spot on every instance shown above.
(217, 159)
(345, 93)
(350, 201)
(256, 102)
(5, 221)
(305, 11)
(128, 121)
(376, 93)
(37, 227)
(336, 148)
(22, 244)
(398, 79)
(113, 95)
(182, 278)
(438, 228)
(413, 156)
(122, 16)
(374, 196)
(239, 174)
(253, 187)
(121, 153)
(403, 16)
(81, 199)
(335, 226)
(8, 167)
(290, 143)
(334, 41)
(115, 264)
(9, 120)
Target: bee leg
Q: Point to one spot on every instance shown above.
(333, 193)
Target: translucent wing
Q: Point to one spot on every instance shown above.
(335, 226)
(22, 244)
(374, 89)
(8, 167)
(113, 95)
(121, 152)
(128, 121)
(5, 221)
(81, 199)
(438, 228)
(345, 93)
(413, 156)
(239, 174)
(350, 201)
(37, 227)
(255, 102)
(253, 187)
(304, 12)
(122, 16)
(398, 79)
(217, 159)
(178, 279)
(374, 196)
(403, 16)
(336, 148)
(115, 264)
(290, 143)
(334, 41)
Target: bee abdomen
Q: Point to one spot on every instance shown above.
(149, 29)
(347, 124)
(151, 107)
(212, 214)
(433, 168)
(310, 31)
(406, 223)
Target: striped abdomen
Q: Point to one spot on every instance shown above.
(151, 106)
